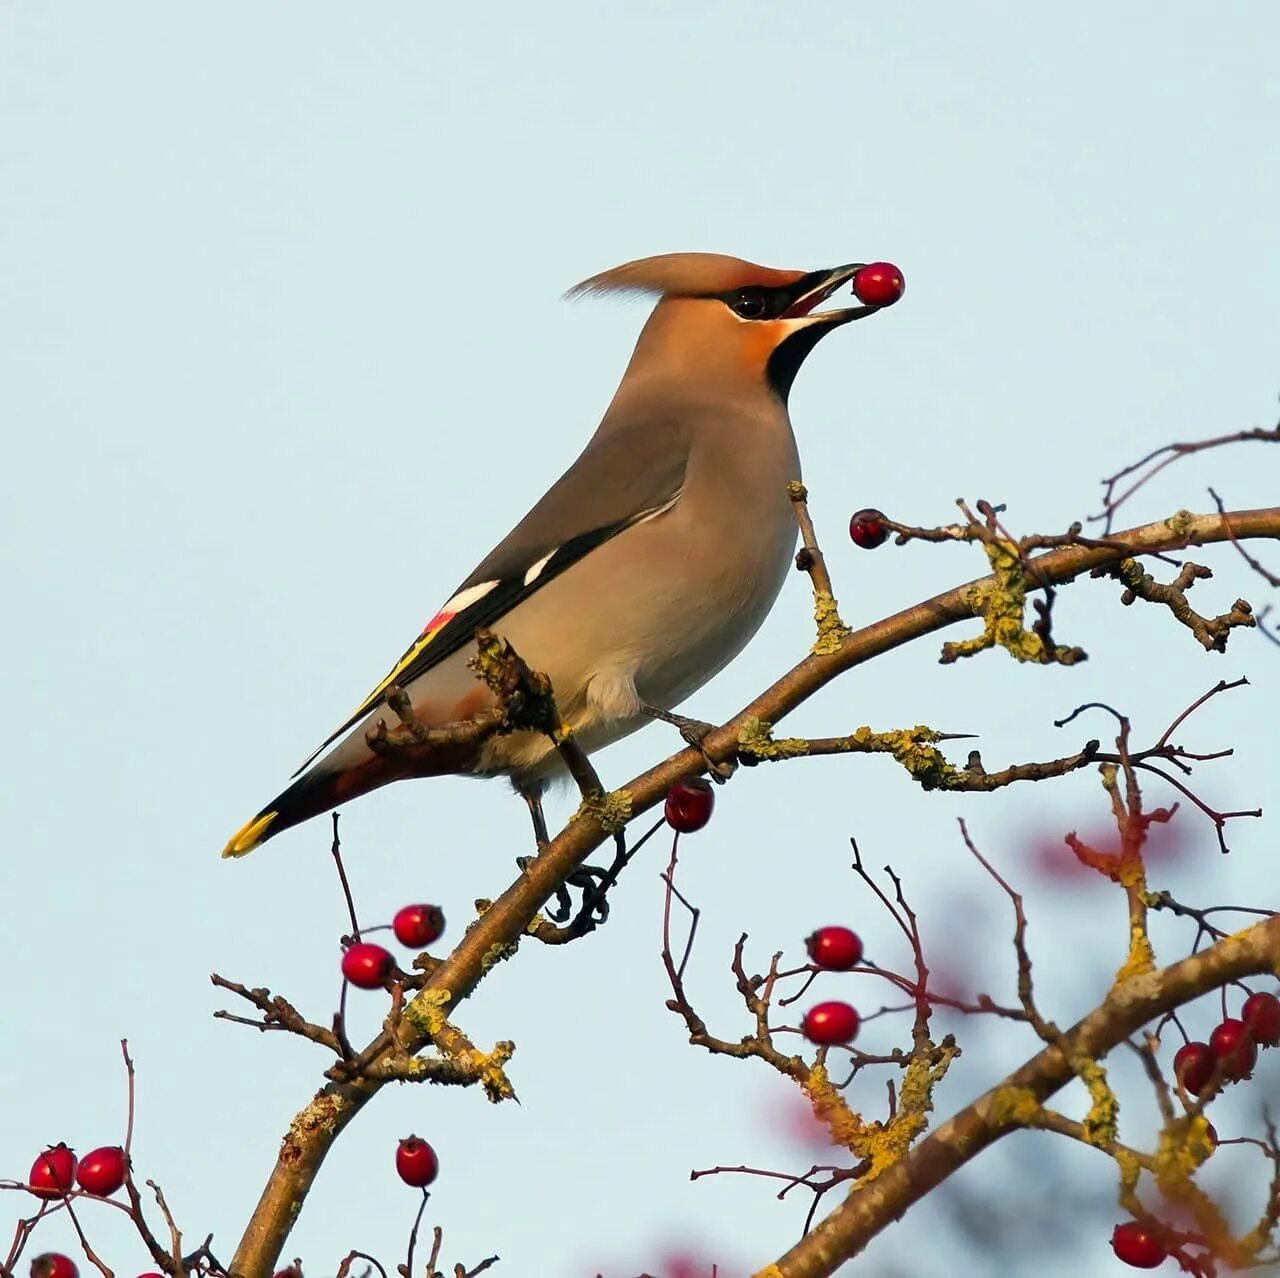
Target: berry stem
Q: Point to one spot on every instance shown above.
(336, 849)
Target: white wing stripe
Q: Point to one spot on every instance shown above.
(536, 570)
(465, 598)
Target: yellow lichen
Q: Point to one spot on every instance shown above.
(755, 738)
(1100, 1123)
(1141, 958)
(1014, 1107)
(830, 1108)
(914, 748)
(497, 953)
(1002, 606)
(832, 632)
(488, 1069)
(1181, 523)
(425, 1011)
(611, 811)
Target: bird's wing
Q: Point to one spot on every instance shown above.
(625, 476)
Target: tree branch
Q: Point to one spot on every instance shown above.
(317, 1126)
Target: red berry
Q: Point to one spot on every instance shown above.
(835, 948)
(1233, 1045)
(828, 1023)
(53, 1264)
(53, 1173)
(689, 804)
(1138, 1246)
(868, 529)
(367, 966)
(879, 284)
(416, 1162)
(1261, 1016)
(417, 926)
(1193, 1066)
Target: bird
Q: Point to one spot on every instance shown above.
(645, 568)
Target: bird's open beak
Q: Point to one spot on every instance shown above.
(820, 286)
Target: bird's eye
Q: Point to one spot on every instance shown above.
(750, 303)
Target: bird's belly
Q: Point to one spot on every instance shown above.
(667, 613)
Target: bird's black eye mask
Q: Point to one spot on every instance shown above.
(758, 303)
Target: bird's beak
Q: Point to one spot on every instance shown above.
(819, 286)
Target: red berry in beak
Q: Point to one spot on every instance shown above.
(879, 284)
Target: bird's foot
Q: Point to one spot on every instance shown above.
(694, 732)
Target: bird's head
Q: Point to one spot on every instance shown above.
(720, 318)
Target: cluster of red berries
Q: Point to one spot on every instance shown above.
(1228, 1057)
(834, 949)
(368, 966)
(688, 806)
(57, 1171)
(1232, 1049)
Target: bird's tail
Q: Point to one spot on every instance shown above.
(311, 794)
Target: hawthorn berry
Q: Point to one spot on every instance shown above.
(879, 284)
(418, 926)
(1233, 1045)
(416, 1162)
(53, 1264)
(1138, 1246)
(1261, 1017)
(101, 1171)
(835, 948)
(53, 1174)
(1193, 1066)
(830, 1023)
(367, 966)
(868, 529)
(689, 803)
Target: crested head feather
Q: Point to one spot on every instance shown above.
(683, 275)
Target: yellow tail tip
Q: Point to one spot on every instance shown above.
(247, 837)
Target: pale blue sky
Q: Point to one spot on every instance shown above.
(282, 355)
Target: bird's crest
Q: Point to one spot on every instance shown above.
(683, 275)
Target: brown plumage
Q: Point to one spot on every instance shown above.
(650, 562)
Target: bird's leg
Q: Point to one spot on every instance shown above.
(693, 731)
(532, 795)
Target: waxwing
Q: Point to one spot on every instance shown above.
(649, 563)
